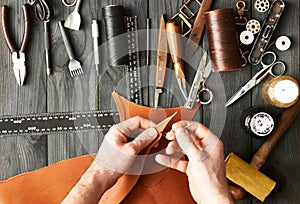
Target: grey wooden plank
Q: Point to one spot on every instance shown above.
(283, 163)
(69, 94)
(22, 154)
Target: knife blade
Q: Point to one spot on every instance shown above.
(162, 58)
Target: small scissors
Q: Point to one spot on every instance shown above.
(268, 68)
(198, 87)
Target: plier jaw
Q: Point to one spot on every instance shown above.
(18, 59)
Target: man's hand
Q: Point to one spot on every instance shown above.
(205, 168)
(115, 157)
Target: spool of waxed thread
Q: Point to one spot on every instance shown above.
(114, 26)
(281, 91)
(222, 39)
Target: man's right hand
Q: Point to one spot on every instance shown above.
(205, 168)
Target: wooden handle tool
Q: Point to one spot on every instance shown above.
(285, 121)
(174, 41)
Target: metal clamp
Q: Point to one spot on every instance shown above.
(241, 7)
(185, 14)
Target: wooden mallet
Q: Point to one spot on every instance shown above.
(247, 176)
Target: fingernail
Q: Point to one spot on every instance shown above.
(152, 132)
(182, 131)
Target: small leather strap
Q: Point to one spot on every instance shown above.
(198, 28)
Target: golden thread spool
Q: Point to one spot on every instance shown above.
(281, 91)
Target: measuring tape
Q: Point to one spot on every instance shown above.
(132, 72)
(46, 123)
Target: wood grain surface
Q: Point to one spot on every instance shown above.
(60, 92)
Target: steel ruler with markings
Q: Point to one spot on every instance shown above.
(47, 123)
(132, 71)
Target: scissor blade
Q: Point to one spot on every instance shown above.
(248, 86)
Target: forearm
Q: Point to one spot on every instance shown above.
(92, 185)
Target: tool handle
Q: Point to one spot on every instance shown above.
(95, 36)
(47, 46)
(4, 26)
(25, 41)
(174, 40)
(77, 5)
(66, 41)
(285, 121)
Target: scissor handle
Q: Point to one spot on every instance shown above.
(202, 91)
(266, 54)
(69, 4)
(276, 69)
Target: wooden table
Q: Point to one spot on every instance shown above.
(60, 92)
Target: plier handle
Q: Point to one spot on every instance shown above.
(18, 55)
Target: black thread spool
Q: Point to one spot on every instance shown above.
(222, 39)
(259, 122)
(117, 42)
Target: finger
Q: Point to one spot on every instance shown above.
(143, 140)
(173, 147)
(130, 125)
(186, 142)
(173, 162)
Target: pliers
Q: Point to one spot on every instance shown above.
(18, 56)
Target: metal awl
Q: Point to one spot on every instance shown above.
(95, 36)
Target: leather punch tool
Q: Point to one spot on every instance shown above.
(18, 56)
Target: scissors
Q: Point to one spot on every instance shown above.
(198, 87)
(275, 68)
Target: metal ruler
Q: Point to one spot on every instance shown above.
(46, 123)
(132, 72)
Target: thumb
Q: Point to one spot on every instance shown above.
(144, 139)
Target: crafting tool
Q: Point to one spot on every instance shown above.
(283, 43)
(275, 68)
(246, 37)
(222, 39)
(148, 22)
(161, 60)
(117, 41)
(266, 32)
(174, 42)
(186, 14)
(69, 4)
(46, 123)
(198, 28)
(262, 5)
(253, 26)
(258, 122)
(73, 20)
(43, 13)
(132, 71)
(198, 87)
(260, 189)
(74, 66)
(95, 36)
(282, 91)
(18, 56)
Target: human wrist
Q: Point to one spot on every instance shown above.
(219, 197)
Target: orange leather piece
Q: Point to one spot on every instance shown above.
(51, 184)
(48, 185)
